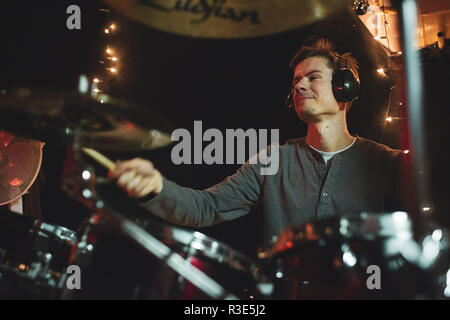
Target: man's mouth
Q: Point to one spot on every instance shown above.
(300, 98)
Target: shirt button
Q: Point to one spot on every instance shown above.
(325, 194)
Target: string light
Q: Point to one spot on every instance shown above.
(390, 118)
(405, 151)
(381, 71)
(110, 28)
(110, 62)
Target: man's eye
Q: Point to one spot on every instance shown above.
(314, 78)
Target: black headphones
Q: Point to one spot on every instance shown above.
(345, 85)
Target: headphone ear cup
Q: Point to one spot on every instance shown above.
(345, 85)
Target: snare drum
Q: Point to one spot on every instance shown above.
(33, 257)
(115, 267)
(358, 257)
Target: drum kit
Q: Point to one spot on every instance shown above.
(370, 256)
(147, 259)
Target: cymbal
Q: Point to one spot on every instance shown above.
(227, 19)
(102, 123)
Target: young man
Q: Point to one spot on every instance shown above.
(328, 173)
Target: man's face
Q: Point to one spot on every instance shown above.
(313, 93)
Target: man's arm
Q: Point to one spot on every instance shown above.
(230, 199)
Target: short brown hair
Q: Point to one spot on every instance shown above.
(324, 48)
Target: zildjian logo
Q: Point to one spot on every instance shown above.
(205, 8)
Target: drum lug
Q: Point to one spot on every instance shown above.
(39, 269)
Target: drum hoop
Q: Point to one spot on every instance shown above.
(213, 249)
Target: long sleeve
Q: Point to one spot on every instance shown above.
(228, 200)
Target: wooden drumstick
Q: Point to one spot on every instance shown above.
(97, 156)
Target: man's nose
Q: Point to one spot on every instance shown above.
(302, 85)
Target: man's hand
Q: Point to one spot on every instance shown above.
(137, 177)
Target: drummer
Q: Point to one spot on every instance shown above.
(327, 173)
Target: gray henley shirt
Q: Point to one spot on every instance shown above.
(364, 177)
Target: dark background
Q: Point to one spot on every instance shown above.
(239, 83)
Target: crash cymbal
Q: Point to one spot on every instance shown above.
(227, 18)
(103, 123)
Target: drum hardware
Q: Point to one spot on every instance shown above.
(140, 236)
(104, 123)
(215, 258)
(33, 257)
(330, 259)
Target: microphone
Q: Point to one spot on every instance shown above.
(289, 103)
